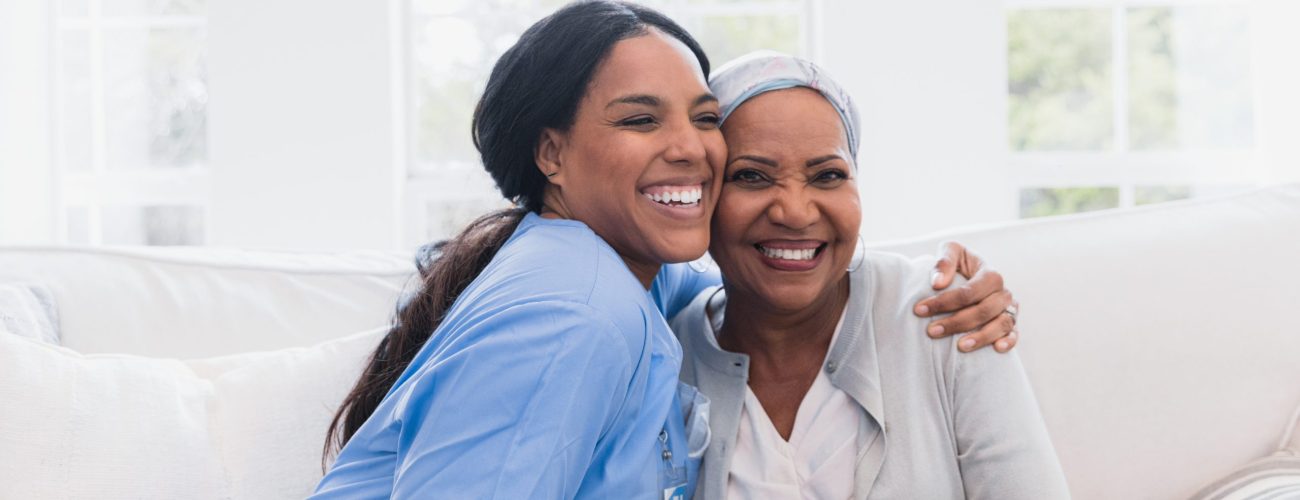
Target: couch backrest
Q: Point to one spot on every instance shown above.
(1161, 341)
(198, 302)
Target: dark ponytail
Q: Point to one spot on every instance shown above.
(535, 85)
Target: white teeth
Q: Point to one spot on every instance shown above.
(789, 254)
(689, 197)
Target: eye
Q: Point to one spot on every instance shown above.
(830, 176)
(708, 121)
(748, 177)
(639, 122)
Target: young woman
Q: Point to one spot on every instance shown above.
(822, 383)
(535, 362)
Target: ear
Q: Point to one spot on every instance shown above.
(547, 154)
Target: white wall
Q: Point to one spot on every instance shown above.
(303, 149)
(26, 204)
(1275, 39)
(930, 80)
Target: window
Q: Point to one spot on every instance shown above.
(446, 187)
(131, 121)
(1122, 105)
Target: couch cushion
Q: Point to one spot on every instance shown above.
(199, 302)
(1159, 340)
(122, 426)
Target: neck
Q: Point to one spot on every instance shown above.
(782, 342)
(553, 207)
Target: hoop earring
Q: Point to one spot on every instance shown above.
(859, 253)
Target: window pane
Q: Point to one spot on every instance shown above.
(1059, 65)
(1189, 84)
(74, 8)
(155, 7)
(159, 225)
(1145, 195)
(447, 83)
(155, 98)
(1038, 202)
(75, 119)
(78, 225)
(726, 38)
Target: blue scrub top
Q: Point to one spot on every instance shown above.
(554, 375)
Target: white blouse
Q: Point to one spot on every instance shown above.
(819, 460)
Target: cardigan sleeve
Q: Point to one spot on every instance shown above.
(1003, 447)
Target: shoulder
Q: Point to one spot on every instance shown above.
(557, 273)
(893, 284)
(896, 281)
(693, 318)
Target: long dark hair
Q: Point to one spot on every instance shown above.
(536, 85)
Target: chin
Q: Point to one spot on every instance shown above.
(682, 246)
(790, 298)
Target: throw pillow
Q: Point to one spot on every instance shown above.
(29, 311)
(120, 426)
(1274, 477)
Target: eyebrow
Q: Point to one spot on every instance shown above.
(644, 99)
(820, 160)
(772, 163)
(703, 98)
(756, 159)
(649, 100)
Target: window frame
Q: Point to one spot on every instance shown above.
(1122, 167)
(96, 187)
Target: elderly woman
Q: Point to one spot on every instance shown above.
(823, 384)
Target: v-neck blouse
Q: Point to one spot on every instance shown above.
(818, 461)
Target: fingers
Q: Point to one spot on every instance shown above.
(978, 289)
(946, 267)
(991, 332)
(972, 318)
(1006, 344)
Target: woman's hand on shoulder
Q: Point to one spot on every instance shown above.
(983, 309)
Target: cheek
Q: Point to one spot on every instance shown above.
(845, 211)
(715, 150)
(737, 210)
(608, 161)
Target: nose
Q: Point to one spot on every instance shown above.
(685, 144)
(794, 208)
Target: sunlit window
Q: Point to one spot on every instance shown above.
(1119, 106)
(131, 116)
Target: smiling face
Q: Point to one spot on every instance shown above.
(787, 220)
(640, 162)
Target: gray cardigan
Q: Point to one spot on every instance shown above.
(944, 424)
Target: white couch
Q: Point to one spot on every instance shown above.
(1162, 343)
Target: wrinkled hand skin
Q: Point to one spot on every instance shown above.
(977, 306)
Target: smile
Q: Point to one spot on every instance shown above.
(791, 255)
(675, 196)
